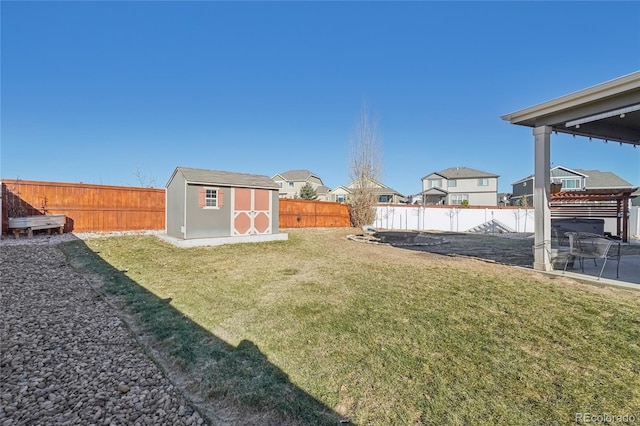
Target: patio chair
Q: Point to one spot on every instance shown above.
(591, 246)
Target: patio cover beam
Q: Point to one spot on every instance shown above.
(594, 107)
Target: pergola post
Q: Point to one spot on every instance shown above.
(541, 198)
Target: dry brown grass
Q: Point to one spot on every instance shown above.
(385, 335)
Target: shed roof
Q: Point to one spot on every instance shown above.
(462, 173)
(218, 177)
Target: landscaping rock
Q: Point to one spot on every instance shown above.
(66, 357)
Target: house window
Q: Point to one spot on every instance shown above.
(279, 184)
(570, 183)
(384, 198)
(483, 182)
(340, 198)
(453, 183)
(457, 199)
(211, 198)
(434, 183)
(290, 184)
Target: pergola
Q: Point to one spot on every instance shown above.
(598, 203)
(609, 111)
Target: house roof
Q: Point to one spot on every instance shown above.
(386, 190)
(296, 175)
(217, 177)
(322, 190)
(461, 173)
(380, 187)
(344, 188)
(595, 179)
(575, 171)
(603, 180)
(434, 191)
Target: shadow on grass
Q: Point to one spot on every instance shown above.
(239, 381)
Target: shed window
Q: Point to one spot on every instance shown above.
(210, 198)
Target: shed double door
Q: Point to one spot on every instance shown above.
(251, 211)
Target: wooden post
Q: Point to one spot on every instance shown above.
(625, 219)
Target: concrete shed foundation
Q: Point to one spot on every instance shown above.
(218, 241)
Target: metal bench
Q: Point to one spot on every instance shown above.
(583, 245)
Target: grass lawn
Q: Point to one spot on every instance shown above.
(319, 328)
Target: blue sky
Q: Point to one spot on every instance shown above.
(96, 91)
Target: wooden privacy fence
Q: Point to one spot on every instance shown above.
(88, 208)
(313, 214)
(104, 208)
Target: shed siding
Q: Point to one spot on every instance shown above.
(275, 209)
(207, 222)
(175, 207)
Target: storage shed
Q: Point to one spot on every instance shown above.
(221, 207)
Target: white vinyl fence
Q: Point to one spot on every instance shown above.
(634, 221)
(462, 220)
(452, 219)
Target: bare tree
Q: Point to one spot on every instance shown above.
(143, 180)
(365, 167)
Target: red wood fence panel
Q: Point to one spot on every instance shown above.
(89, 208)
(313, 214)
(104, 208)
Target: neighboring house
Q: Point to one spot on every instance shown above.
(384, 194)
(339, 194)
(570, 180)
(635, 198)
(503, 199)
(455, 185)
(234, 207)
(292, 181)
(322, 192)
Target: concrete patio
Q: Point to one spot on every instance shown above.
(628, 277)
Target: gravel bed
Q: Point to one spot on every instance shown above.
(65, 355)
